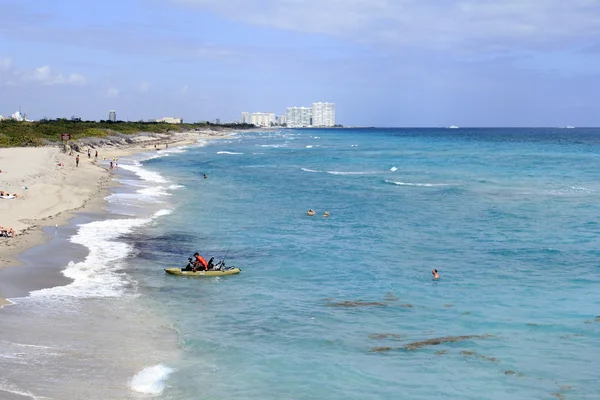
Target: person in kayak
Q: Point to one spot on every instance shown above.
(199, 263)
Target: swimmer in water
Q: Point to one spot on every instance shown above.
(435, 274)
(311, 212)
(326, 215)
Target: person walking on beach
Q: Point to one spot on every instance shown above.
(96, 156)
(77, 160)
(89, 153)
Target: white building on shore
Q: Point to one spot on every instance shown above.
(323, 114)
(298, 117)
(245, 117)
(264, 119)
(170, 120)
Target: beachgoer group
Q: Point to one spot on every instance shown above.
(7, 232)
(312, 212)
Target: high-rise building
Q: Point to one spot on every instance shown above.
(245, 118)
(298, 117)
(264, 119)
(112, 115)
(323, 114)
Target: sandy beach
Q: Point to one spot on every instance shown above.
(50, 186)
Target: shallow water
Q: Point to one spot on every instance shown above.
(332, 307)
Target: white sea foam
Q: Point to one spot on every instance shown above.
(571, 190)
(154, 191)
(416, 184)
(151, 380)
(162, 213)
(9, 388)
(228, 152)
(310, 170)
(393, 169)
(175, 187)
(354, 145)
(273, 145)
(133, 199)
(309, 147)
(348, 173)
(97, 275)
(144, 174)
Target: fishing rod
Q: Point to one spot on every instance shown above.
(227, 252)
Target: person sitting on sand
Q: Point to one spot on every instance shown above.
(311, 212)
(435, 274)
(10, 232)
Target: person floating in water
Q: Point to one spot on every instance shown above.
(326, 215)
(435, 274)
(204, 176)
(311, 212)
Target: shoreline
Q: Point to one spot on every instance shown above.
(51, 194)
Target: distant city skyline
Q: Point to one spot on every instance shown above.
(399, 63)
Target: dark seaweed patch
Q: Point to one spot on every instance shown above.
(349, 304)
(441, 340)
(381, 349)
(380, 336)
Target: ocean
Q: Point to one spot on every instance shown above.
(342, 307)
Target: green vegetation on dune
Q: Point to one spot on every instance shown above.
(38, 133)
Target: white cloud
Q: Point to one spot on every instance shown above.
(492, 24)
(112, 92)
(184, 89)
(144, 87)
(5, 64)
(45, 76)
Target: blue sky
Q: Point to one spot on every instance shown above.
(383, 62)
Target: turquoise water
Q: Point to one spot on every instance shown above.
(326, 308)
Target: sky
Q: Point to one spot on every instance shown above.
(410, 63)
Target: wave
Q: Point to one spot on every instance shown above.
(393, 169)
(154, 191)
(9, 388)
(571, 190)
(417, 184)
(275, 146)
(151, 380)
(227, 152)
(144, 174)
(309, 147)
(310, 170)
(162, 213)
(98, 275)
(348, 173)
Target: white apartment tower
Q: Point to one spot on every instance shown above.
(245, 118)
(323, 114)
(298, 117)
(264, 119)
(112, 115)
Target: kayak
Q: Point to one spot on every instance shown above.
(178, 271)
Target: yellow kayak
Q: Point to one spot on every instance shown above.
(178, 271)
